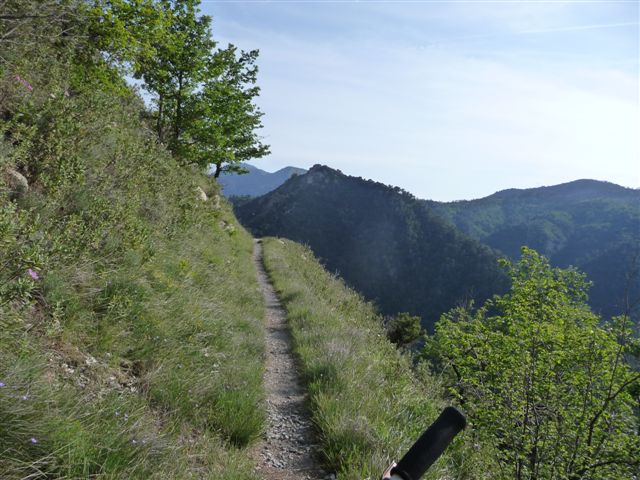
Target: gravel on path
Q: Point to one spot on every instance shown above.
(288, 450)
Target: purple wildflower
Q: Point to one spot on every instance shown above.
(33, 274)
(2, 385)
(25, 397)
(26, 84)
(34, 440)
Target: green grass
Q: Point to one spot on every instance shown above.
(367, 403)
(139, 349)
(149, 370)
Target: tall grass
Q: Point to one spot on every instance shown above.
(367, 403)
(131, 336)
(148, 370)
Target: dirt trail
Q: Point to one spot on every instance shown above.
(288, 449)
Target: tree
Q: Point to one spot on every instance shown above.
(177, 67)
(224, 119)
(542, 380)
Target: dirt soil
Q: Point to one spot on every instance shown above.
(288, 450)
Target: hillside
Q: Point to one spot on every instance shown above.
(256, 182)
(366, 401)
(592, 225)
(130, 329)
(381, 241)
(145, 335)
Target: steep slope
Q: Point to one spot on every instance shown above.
(381, 240)
(592, 225)
(257, 182)
(131, 328)
(367, 403)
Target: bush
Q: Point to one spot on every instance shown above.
(404, 328)
(542, 380)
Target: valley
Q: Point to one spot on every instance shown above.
(425, 257)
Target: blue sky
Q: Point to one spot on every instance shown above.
(448, 100)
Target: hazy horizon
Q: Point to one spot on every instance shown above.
(448, 100)
(256, 164)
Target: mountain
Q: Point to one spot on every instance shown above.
(257, 182)
(592, 225)
(380, 239)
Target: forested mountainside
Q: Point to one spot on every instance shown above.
(592, 225)
(255, 182)
(381, 240)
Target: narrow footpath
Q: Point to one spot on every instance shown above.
(288, 449)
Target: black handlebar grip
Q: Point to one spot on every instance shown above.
(430, 445)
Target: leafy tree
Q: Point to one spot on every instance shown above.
(178, 65)
(224, 117)
(126, 30)
(542, 380)
(205, 98)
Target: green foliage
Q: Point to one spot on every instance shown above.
(541, 380)
(128, 30)
(177, 66)
(130, 329)
(366, 402)
(404, 328)
(224, 117)
(382, 241)
(588, 224)
(204, 97)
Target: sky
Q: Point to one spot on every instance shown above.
(448, 100)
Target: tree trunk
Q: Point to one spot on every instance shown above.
(178, 120)
(218, 170)
(160, 113)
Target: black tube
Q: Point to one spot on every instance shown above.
(430, 445)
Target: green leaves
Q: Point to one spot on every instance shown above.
(204, 97)
(541, 379)
(224, 117)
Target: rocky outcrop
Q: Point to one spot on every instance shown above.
(17, 183)
(201, 194)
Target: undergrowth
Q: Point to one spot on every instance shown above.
(131, 336)
(367, 403)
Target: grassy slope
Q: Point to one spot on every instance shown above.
(366, 402)
(146, 370)
(138, 352)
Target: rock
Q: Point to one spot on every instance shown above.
(16, 182)
(201, 195)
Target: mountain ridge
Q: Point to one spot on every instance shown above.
(586, 186)
(589, 224)
(256, 182)
(375, 235)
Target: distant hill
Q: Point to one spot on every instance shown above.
(589, 224)
(257, 182)
(380, 239)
